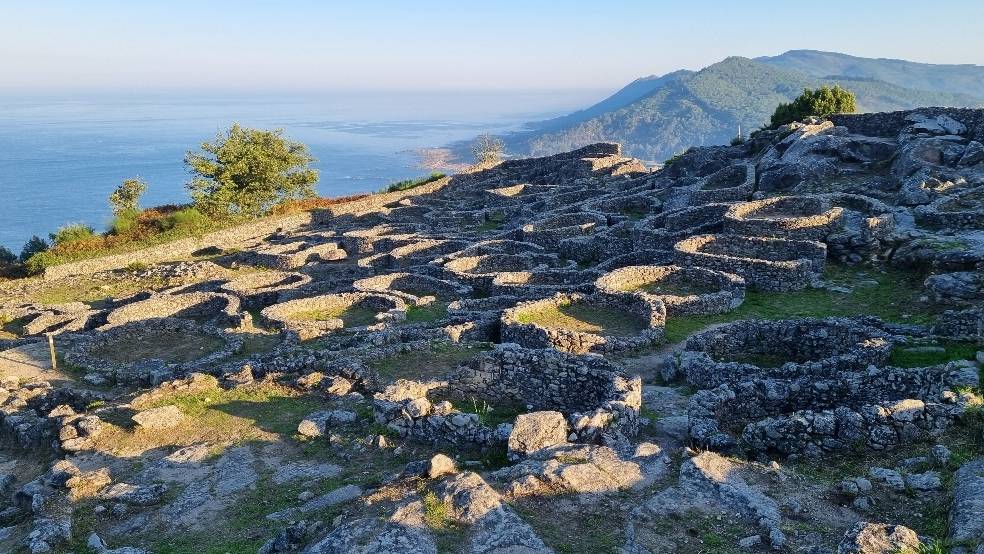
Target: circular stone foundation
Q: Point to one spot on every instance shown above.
(151, 351)
(791, 217)
(783, 348)
(320, 315)
(683, 290)
(223, 309)
(413, 285)
(764, 263)
(261, 289)
(580, 324)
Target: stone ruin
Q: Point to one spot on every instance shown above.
(560, 278)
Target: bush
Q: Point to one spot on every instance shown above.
(125, 222)
(33, 246)
(187, 220)
(6, 256)
(488, 149)
(126, 197)
(37, 263)
(817, 103)
(75, 232)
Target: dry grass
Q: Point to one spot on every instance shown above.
(351, 316)
(170, 346)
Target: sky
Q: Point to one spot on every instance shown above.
(250, 45)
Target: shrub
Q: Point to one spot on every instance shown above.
(126, 197)
(37, 263)
(187, 220)
(738, 140)
(33, 246)
(488, 149)
(6, 256)
(125, 222)
(75, 232)
(817, 103)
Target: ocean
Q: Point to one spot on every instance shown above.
(61, 156)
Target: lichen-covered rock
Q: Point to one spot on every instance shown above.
(536, 430)
(878, 538)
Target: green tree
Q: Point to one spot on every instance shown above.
(6, 256)
(126, 198)
(33, 246)
(819, 103)
(248, 171)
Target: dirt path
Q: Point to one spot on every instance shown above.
(28, 362)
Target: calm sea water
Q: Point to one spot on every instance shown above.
(61, 157)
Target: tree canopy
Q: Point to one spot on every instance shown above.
(247, 171)
(820, 103)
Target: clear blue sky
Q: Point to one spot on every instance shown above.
(442, 44)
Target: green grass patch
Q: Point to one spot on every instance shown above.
(584, 318)
(903, 356)
(593, 529)
(270, 407)
(408, 184)
(428, 313)
(892, 295)
(426, 363)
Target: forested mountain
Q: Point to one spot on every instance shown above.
(657, 117)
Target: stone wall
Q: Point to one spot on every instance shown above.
(890, 124)
(233, 237)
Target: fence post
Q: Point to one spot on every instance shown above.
(51, 350)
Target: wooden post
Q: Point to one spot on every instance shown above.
(51, 349)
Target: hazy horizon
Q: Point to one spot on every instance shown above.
(439, 45)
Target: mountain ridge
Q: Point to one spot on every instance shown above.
(706, 107)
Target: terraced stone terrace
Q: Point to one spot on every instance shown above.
(759, 348)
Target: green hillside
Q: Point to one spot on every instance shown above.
(706, 107)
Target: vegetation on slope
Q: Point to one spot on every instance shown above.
(703, 108)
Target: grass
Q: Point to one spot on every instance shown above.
(94, 291)
(428, 313)
(488, 414)
(257, 343)
(262, 412)
(764, 359)
(11, 328)
(584, 318)
(351, 316)
(677, 286)
(426, 363)
(892, 295)
(902, 357)
(170, 346)
(408, 184)
(447, 534)
(592, 529)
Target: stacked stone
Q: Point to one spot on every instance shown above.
(789, 217)
(631, 279)
(652, 315)
(223, 309)
(84, 353)
(261, 289)
(764, 263)
(389, 308)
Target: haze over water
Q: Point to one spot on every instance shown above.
(60, 157)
